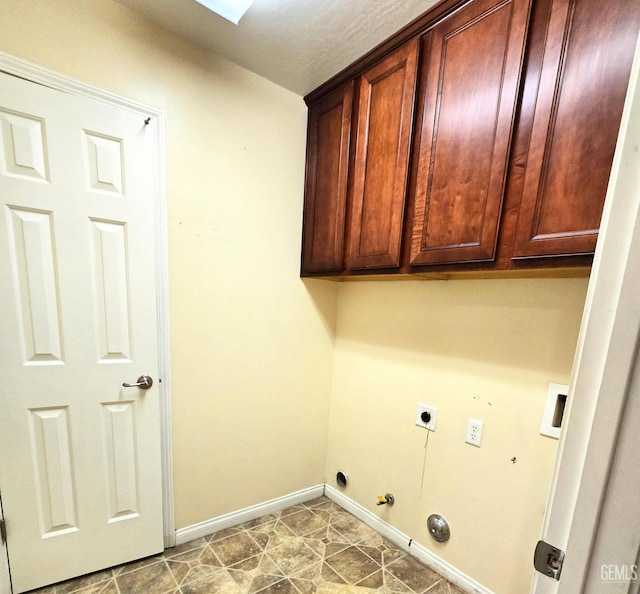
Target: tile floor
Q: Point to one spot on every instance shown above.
(312, 548)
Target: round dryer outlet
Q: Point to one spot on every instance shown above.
(438, 528)
(341, 479)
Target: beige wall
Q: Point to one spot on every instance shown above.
(253, 359)
(251, 344)
(485, 349)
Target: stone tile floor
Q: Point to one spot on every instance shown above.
(313, 548)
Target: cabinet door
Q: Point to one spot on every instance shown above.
(385, 115)
(583, 82)
(469, 87)
(326, 181)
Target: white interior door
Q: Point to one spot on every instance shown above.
(80, 470)
(593, 512)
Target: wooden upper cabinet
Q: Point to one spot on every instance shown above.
(582, 86)
(380, 168)
(328, 137)
(479, 138)
(468, 94)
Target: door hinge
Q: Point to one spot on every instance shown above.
(548, 559)
(3, 531)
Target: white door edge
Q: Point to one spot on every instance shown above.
(603, 365)
(37, 74)
(5, 579)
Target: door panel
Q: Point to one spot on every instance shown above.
(23, 146)
(108, 248)
(469, 84)
(120, 452)
(326, 181)
(35, 281)
(80, 473)
(55, 482)
(567, 170)
(380, 171)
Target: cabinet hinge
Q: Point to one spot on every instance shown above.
(548, 559)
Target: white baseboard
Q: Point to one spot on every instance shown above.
(453, 575)
(244, 515)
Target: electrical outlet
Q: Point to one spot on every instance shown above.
(429, 424)
(474, 432)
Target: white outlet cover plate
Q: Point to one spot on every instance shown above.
(474, 432)
(431, 425)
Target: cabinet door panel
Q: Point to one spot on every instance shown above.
(589, 46)
(385, 114)
(326, 182)
(469, 86)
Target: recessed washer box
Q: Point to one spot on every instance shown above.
(554, 410)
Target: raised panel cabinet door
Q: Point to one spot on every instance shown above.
(380, 171)
(326, 181)
(582, 87)
(469, 87)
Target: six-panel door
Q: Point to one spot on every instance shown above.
(80, 470)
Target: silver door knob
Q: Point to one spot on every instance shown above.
(144, 383)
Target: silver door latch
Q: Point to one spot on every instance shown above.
(548, 559)
(144, 382)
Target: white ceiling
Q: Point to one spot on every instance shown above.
(297, 44)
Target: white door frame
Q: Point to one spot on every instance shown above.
(32, 72)
(604, 364)
(5, 580)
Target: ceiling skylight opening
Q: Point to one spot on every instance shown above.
(232, 10)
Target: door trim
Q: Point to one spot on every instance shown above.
(604, 363)
(5, 579)
(39, 75)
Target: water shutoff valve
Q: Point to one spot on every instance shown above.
(386, 500)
